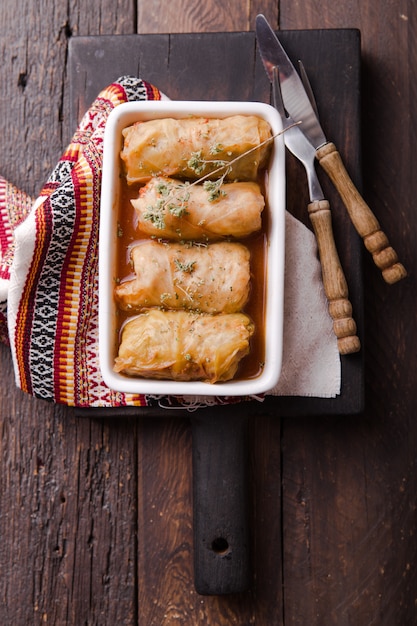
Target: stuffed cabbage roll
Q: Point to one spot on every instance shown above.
(214, 278)
(195, 146)
(172, 209)
(183, 345)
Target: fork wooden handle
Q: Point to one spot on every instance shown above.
(334, 281)
(363, 219)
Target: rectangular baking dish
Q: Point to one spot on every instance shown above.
(125, 115)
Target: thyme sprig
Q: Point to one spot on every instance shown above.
(213, 187)
(188, 267)
(177, 203)
(198, 164)
(229, 164)
(172, 200)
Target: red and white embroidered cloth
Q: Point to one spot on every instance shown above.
(53, 292)
(49, 280)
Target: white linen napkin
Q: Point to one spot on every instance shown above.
(311, 363)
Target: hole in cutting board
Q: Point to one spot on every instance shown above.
(220, 545)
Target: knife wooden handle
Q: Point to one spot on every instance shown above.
(334, 281)
(363, 219)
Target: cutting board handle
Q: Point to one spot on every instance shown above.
(220, 502)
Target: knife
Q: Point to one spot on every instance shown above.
(334, 281)
(298, 105)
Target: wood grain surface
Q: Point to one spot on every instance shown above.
(95, 513)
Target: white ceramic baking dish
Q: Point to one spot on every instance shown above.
(125, 115)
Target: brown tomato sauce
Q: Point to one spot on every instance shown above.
(128, 234)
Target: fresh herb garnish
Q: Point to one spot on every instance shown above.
(185, 267)
(175, 197)
(198, 164)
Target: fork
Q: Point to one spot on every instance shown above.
(334, 281)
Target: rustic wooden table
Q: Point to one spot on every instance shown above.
(95, 513)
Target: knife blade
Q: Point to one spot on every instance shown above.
(334, 281)
(298, 105)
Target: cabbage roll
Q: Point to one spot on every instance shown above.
(214, 278)
(172, 209)
(183, 345)
(195, 146)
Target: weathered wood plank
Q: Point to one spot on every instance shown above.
(349, 485)
(68, 486)
(213, 16)
(68, 515)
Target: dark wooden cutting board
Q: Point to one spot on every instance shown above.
(226, 66)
